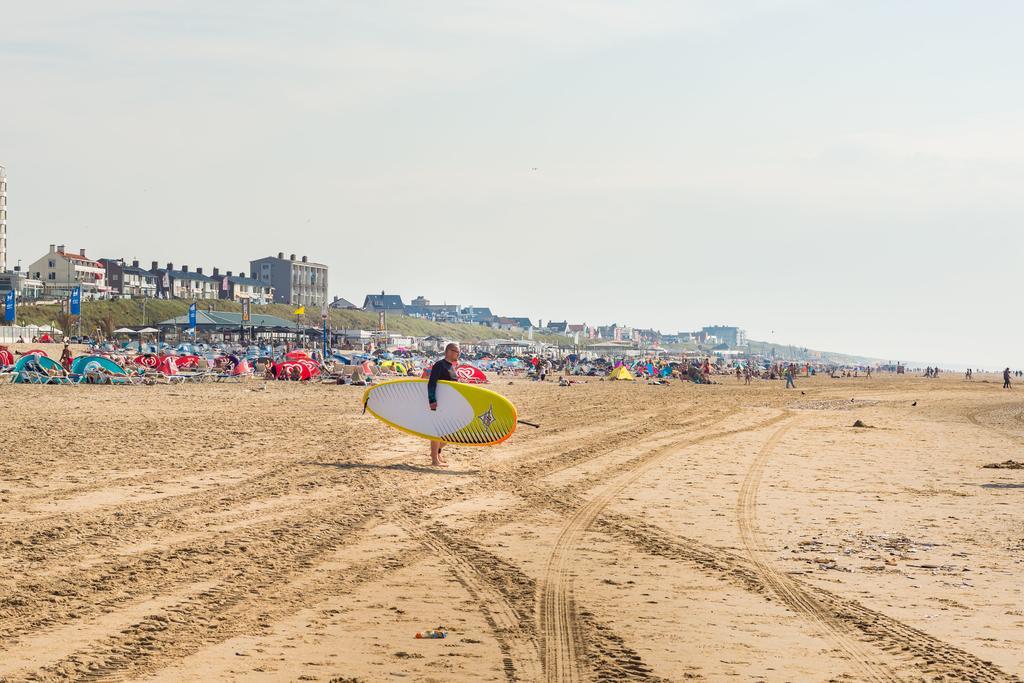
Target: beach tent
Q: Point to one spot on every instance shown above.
(621, 373)
(168, 366)
(6, 357)
(285, 369)
(298, 354)
(187, 362)
(83, 365)
(149, 360)
(394, 366)
(36, 352)
(470, 375)
(241, 368)
(34, 363)
(80, 365)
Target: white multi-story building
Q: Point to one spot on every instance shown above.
(3, 220)
(60, 272)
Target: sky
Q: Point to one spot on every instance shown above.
(840, 176)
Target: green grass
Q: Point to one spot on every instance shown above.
(128, 313)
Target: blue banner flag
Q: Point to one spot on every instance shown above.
(192, 316)
(76, 301)
(10, 310)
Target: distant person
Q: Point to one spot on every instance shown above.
(1006, 378)
(442, 370)
(65, 357)
(790, 371)
(969, 374)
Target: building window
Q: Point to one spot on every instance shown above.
(52, 276)
(52, 264)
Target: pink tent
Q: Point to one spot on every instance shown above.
(6, 357)
(297, 354)
(189, 362)
(36, 352)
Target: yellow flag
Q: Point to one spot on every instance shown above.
(301, 310)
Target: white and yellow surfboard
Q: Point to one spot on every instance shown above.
(466, 415)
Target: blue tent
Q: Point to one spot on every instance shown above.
(81, 365)
(36, 363)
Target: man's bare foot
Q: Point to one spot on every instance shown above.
(439, 463)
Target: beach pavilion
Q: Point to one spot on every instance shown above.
(224, 325)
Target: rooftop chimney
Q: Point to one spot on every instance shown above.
(184, 269)
(280, 255)
(216, 272)
(156, 266)
(170, 266)
(229, 273)
(135, 264)
(305, 259)
(81, 252)
(53, 248)
(199, 271)
(293, 257)
(60, 247)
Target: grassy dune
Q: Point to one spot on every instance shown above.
(109, 315)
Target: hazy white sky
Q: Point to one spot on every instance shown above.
(836, 175)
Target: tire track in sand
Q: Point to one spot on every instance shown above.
(511, 628)
(973, 418)
(933, 657)
(792, 594)
(557, 617)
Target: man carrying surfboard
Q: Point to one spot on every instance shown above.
(443, 369)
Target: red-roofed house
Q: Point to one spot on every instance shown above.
(60, 272)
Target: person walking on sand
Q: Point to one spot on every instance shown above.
(65, 357)
(789, 377)
(1006, 378)
(442, 370)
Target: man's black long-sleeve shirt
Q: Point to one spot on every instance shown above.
(442, 370)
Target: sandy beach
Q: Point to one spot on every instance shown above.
(251, 532)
